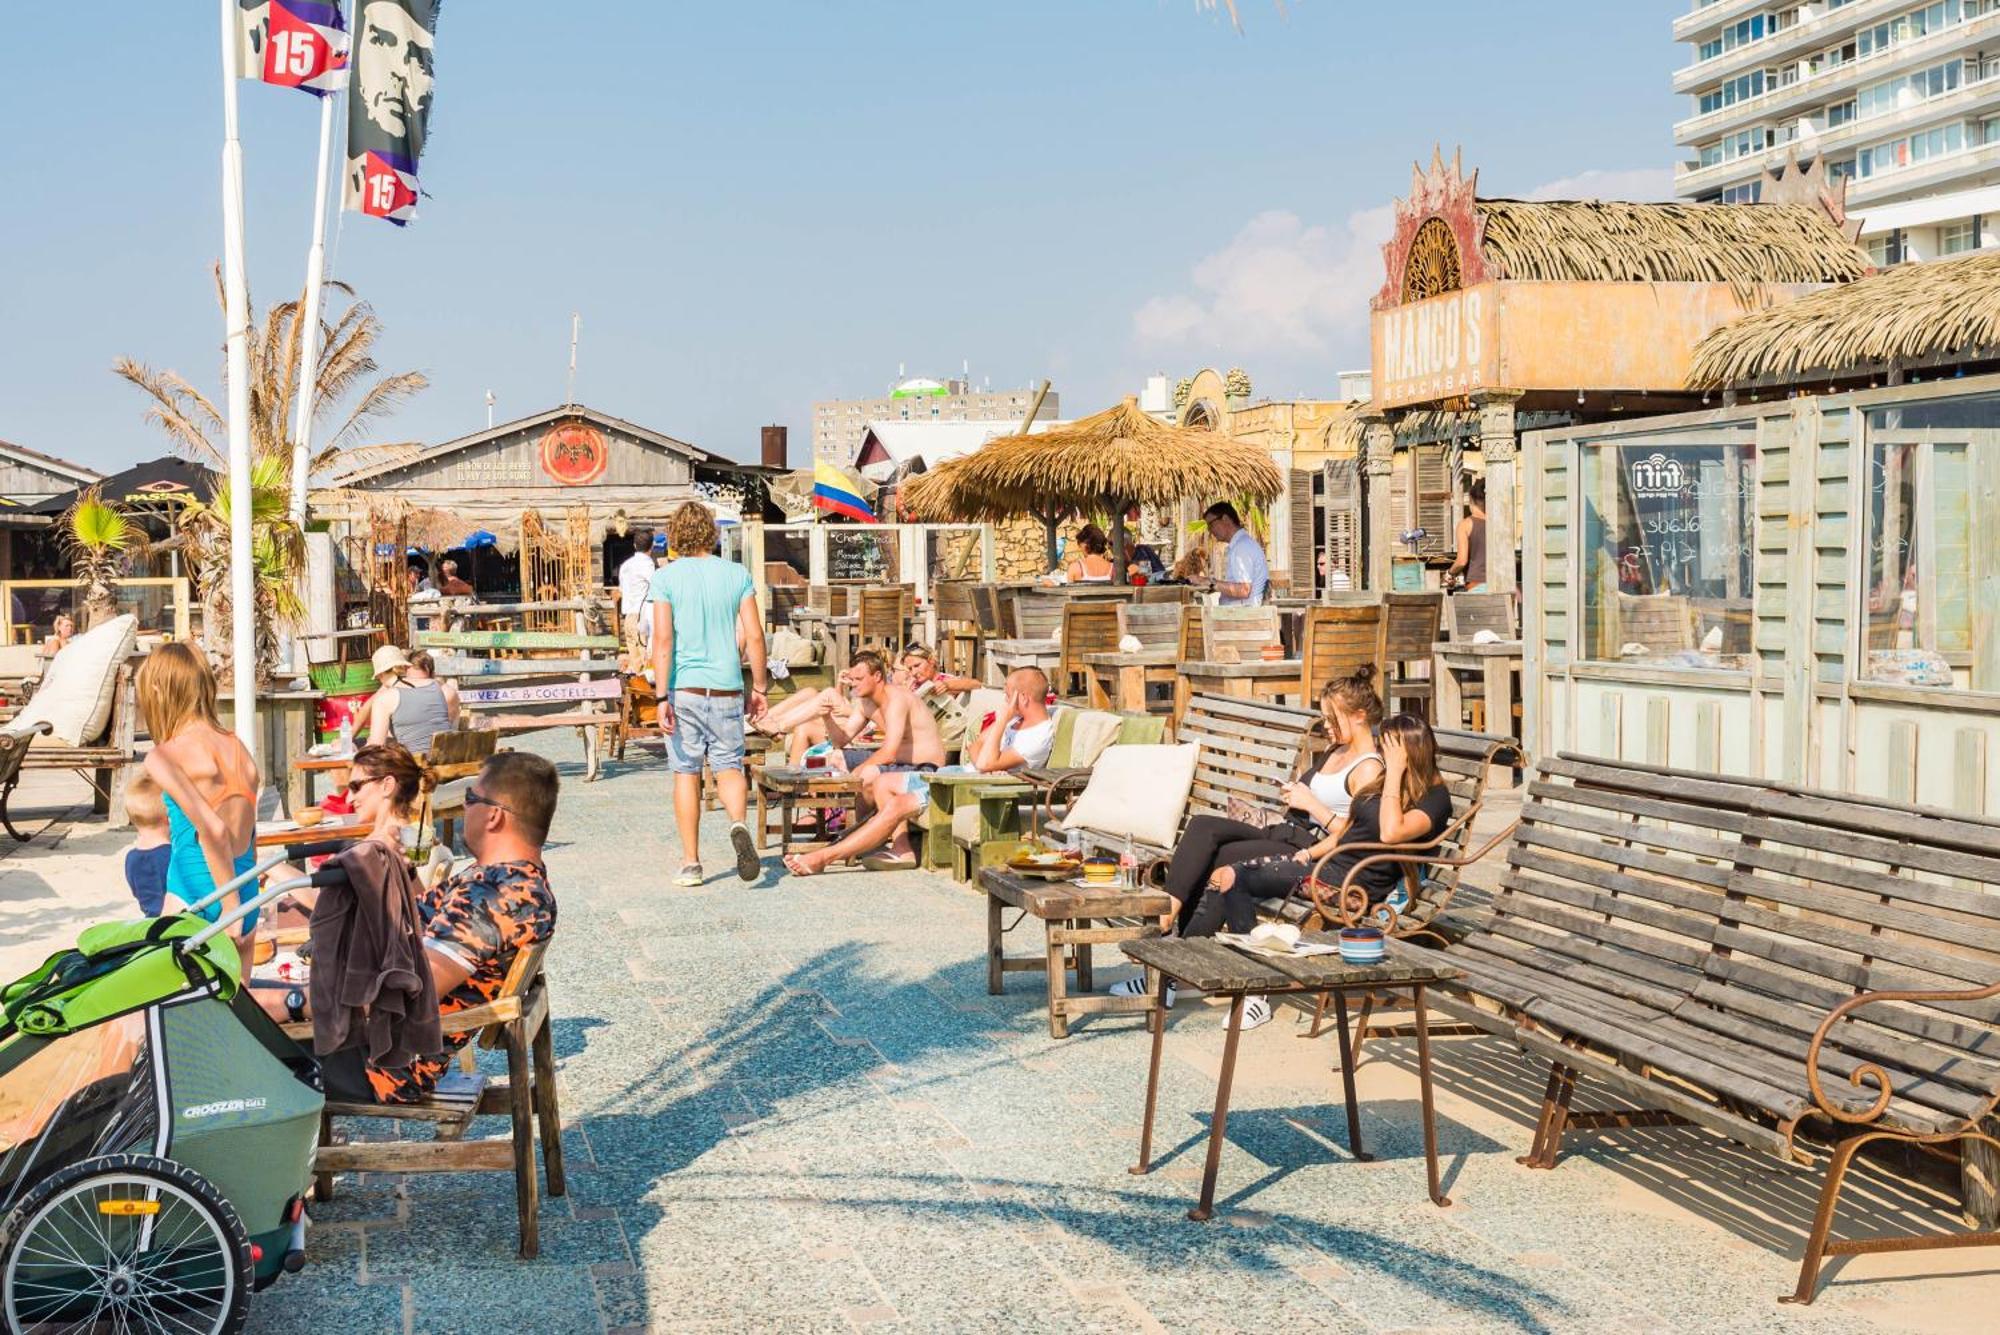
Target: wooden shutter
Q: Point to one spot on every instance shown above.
(1433, 498)
(1343, 523)
(1402, 513)
(1300, 545)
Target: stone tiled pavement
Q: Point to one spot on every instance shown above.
(792, 1106)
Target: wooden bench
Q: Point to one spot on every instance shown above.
(518, 1021)
(567, 680)
(1751, 959)
(1075, 918)
(106, 765)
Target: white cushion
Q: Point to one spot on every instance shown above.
(77, 688)
(1093, 731)
(1139, 791)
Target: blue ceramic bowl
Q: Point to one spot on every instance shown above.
(1362, 945)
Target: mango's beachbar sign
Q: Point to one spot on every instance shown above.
(1438, 348)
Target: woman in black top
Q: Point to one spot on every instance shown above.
(1407, 805)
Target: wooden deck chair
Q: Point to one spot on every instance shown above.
(1089, 626)
(1410, 624)
(1335, 641)
(1466, 614)
(517, 1021)
(1245, 629)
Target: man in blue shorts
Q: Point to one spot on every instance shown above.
(705, 626)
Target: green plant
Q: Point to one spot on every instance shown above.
(97, 536)
(277, 559)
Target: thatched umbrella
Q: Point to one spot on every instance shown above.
(1113, 460)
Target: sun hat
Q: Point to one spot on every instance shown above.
(388, 659)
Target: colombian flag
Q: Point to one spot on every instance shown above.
(836, 490)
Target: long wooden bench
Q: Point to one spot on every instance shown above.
(107, 765)
(1748, 958)
(567, 681)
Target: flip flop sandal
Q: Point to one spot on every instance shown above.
(795, 865)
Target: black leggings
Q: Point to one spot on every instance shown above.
(1216, 841)
(1274, 877)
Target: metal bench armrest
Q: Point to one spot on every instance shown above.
(1348, 904)
(1868, 1073)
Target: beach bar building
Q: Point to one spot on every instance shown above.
(1801, 583)
(1497, 316)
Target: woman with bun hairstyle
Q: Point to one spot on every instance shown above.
(1317, 803)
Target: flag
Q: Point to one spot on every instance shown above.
(837, 490)
(388, 105)
(294, 44)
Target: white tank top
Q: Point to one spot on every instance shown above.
(1330, 787)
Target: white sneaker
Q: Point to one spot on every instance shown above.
(1136, 987)
(689, 875)
(1256, 1013)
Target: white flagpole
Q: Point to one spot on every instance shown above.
(309, 313)
(236, 319)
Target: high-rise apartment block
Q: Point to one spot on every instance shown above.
(1898, 97)
(839, 424)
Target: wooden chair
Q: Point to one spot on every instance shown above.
(453, 756)
(884, 620)
(1164, 593)
(958, 629)
(1245, 629)
(784, 599)
(1466, 614)
(1732, 616)
(517, 1021)
(1089, 626)
(1037, 615)
(1193, 644)
(1154, 625)
(1335, 641)
(1410, 624)
(1659, 622)
(993, 611)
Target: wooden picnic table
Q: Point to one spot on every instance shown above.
(1497, 663)
(288, 834)
(1256, 679)
(835, 632)
(1119, 680)
(1003, 656)
(1219, 970)
(791, 787)
(1074, 919)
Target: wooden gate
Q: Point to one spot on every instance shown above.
(555, 564)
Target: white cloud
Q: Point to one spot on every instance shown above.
(1287, 296)
(1647, 184)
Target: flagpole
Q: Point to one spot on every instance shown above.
(236, 320)
(309, 314)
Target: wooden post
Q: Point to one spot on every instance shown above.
(1498, 447)
(1378, 459)
(1119, 558)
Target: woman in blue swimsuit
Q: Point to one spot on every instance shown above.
(208, 777)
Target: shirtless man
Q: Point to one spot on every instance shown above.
(910, 745)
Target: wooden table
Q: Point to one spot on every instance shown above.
(1003, 656)
(791, 788)
(1496, 662)
(1119, 680)
(291, 836)
(1254, 680)
(311, 765)
(1072, 916)
(835, 632)
(1219, 970)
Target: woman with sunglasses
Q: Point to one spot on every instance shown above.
(382, 785)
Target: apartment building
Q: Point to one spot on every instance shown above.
(839, 424)
(1898, 97)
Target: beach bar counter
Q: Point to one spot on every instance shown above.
(1804, 589)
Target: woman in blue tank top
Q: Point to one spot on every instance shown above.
(207, 776)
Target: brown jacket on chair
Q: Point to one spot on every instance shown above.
(371, 983)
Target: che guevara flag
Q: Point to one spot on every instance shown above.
(388, 105)
(294, 44)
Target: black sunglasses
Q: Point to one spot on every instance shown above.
(475, 798)
(355, 785)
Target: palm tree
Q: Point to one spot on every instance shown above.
(97, 536)
(346, 373)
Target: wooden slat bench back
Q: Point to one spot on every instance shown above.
(1249, 750)
(1089, 626)
(1466, 614)
(1153, 625)
(1245, 629)
(1336, 641)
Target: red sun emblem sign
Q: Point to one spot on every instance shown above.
(574, 454)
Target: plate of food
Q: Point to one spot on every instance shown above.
(1053, 863)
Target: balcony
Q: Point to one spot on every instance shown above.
(1690, 180)
(1776, 48)
(1831, 83)
(1714, 16)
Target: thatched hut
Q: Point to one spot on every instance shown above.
(1945, 313)
(1109, 461)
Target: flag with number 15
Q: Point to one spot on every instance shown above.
(295, 44)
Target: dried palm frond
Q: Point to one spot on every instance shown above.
(1909, 313)
(1122, 456)
(1615, 241)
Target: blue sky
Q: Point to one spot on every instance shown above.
(756, 205)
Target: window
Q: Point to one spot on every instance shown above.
(1922, 577)
(1668, 569)
(1886, 249)
(1908, 27)
(1895, 155)
(1747, 193)
(1907, 90)
(1959, 237)
(1839, 114)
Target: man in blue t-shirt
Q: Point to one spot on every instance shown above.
(705, 625)
(1245, 573)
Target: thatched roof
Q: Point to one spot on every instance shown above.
(1121, 454)
(1911, 313)
(1604, 240)
(1347, 431)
